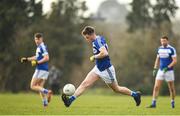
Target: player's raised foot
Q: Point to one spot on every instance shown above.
(49, 95)
(151, 106)
(66, 100)
(137, 98)
(173, 104)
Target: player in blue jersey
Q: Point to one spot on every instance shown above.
(40, 60)
(103, 69)
(163, 70)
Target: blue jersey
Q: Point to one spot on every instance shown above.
(102, 63)
(41, 51)
(165, 55)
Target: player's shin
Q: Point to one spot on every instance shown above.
(44, 99)
(45, 102)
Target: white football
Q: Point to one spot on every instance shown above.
(69, 89)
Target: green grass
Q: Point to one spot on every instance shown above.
(87, 104)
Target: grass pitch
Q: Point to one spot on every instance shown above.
(20, 104)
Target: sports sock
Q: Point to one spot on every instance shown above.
(154, 102)
(133, 94)
(172, 102)
(72, 98)
(45, 102)
(45, 91)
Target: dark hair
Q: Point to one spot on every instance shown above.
(88, 30)
(165, 37)
(38, 35)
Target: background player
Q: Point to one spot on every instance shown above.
(40, 60)
(103, 69)
(165, 60)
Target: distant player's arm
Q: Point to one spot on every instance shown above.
(31, 58)
(156, 65)
(174, 61)
(44, 59)
(25, 59)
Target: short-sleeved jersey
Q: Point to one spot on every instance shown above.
(102, 63)
(41, 51)
(165, 55)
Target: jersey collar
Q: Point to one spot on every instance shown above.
(41, 44)
(166, 46)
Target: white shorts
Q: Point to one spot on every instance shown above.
(168, 76)
(108, 75)
(40, 74)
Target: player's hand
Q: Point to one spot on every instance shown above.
(165, 69)
(92, 58)
(24, 59)
(34, 62)
(155, 70)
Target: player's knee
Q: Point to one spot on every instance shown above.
(32, 86)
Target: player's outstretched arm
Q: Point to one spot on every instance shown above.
(103, 53)
(31, 58)
(25, 59)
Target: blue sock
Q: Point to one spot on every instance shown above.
(72, 98)
(133, 94)
(172, 103)
(45, 91)
(45, 102)
(154, 102)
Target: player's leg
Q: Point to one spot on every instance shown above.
(172, 92)
(109, 77)
(43, 96)
(88, 81)
(119, 89)
(49, 94)
(35, 84)
(124, 90)
(169, 77)
(39, 75)
(156, 90)
(158, 82)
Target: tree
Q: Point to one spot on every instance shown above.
(66, 21)
(15, 15)
(61, 29)
(144, 15)
(139, 17)
(163, 10)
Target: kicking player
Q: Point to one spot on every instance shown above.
(165, 60)
(40, 60)
(103, 69)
